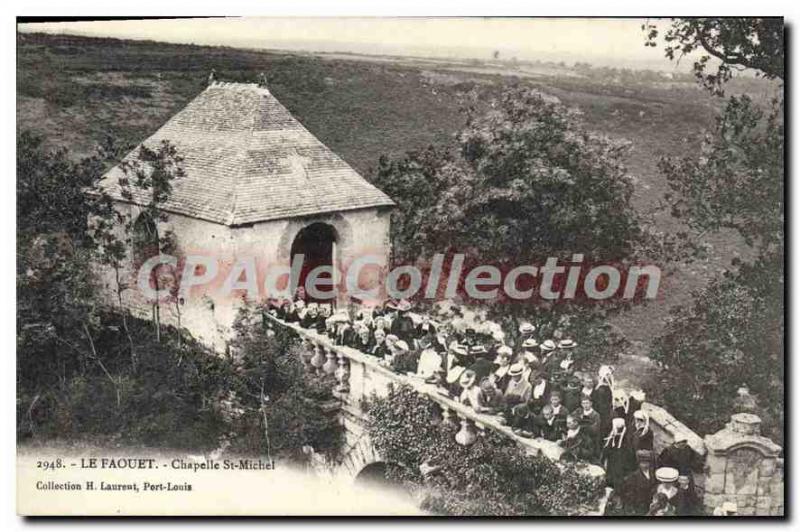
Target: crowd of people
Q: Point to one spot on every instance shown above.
(532, 384)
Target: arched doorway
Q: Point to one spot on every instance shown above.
(317, 244)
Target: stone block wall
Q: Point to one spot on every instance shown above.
(745, 469)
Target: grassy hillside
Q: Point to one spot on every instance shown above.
(77, 90)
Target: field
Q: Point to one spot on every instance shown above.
(76, 91)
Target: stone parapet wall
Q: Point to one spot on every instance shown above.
(667, 430)
(741, 467)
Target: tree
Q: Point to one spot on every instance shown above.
(529, 182)
(51, 190)
(57, 314)
(737, 181)
(733, 44)
(146, 180)
(732, 335)
(283, 405)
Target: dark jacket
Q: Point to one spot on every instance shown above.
(551, 431)
(642, 441)
(602, 402)
(620, 461)
(636, 493)
(403, 327)
(591, 422)
(580, 446)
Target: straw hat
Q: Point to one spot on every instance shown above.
(516, 369)
(548, 345)
(477, 350)
(530, 343)
(666, 474)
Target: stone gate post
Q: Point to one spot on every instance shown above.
(744, 468)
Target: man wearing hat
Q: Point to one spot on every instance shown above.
(526, 330)
(561, 355)
(456, 356)
(470, 337)
(547, 348)
(403, 325)
(502, 364)
(308, 319)
(471, 394)
(636, 490)
(518, 391)
(492, 395)
(405, 359)
(529, 348)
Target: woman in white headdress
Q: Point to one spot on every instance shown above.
(641, 435)
(618, 456)
(602, 398)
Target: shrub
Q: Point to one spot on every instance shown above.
(491, 477)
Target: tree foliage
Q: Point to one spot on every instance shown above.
(76, 376)
(737, 181)
(51, 190)
(529, 182)
(732, 336)
(278, 397)
(728, 45)
(733, 333)
(491, 477)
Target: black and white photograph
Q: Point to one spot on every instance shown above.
(401, 266)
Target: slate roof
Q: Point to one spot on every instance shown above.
(247, 159)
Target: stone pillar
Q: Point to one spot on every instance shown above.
(743, 468)
(342, 373)
(330, 365)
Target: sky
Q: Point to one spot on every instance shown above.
(610, 42)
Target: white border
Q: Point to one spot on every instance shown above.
(306, 8)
